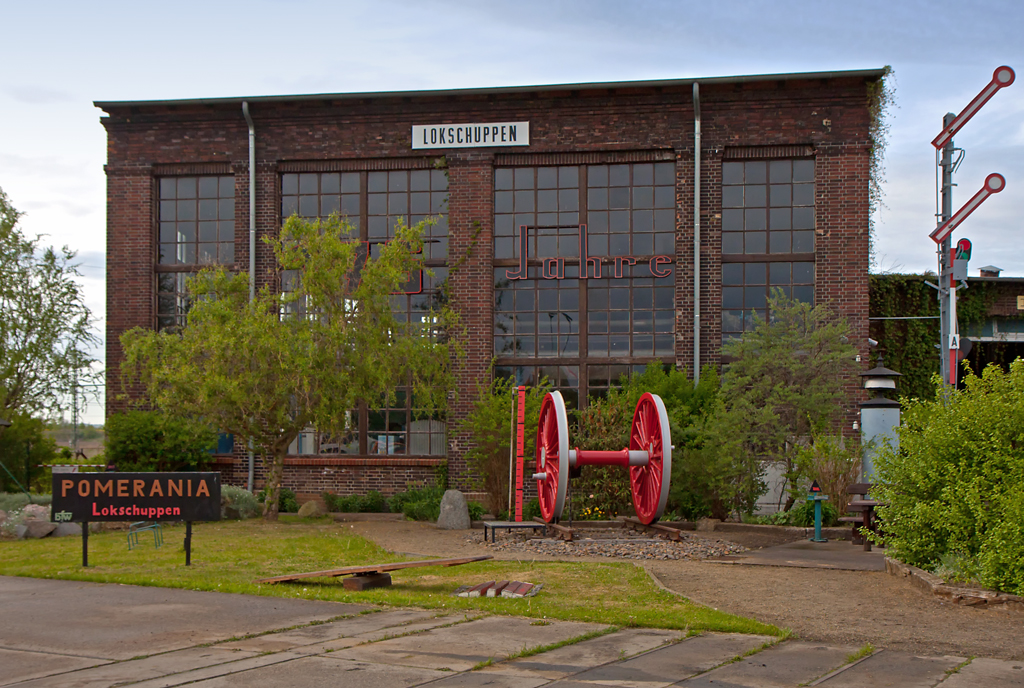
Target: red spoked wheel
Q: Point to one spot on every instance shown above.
(650, 433)
(552, 457)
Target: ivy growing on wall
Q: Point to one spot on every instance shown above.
(909, 346)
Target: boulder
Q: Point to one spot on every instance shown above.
(3, 516)
(65, 529)
(454, 512)
(38, 529)
(312, 509)
(707, 525)
(36, 511)
(19, 532)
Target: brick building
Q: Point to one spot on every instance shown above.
(597, 183)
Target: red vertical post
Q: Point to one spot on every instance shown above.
(520, 444)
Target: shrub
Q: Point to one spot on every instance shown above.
(286, 503)
(424, 504)
(239, 500)
(488, 425)
(26, 436)
(140, 441)
(955, 484)
(832, 462)
(371, 503)
(16, 500)
(802, 514)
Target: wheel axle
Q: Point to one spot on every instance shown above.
(648, 458)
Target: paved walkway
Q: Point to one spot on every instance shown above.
(78, 635)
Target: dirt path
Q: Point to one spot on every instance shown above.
(850, 607)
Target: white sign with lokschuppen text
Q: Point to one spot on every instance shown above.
(482, 135)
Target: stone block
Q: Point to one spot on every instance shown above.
(312, 509)
(65, 529)
(38, 529)
(374, 580)
(454, 512)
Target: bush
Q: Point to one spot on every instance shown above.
(371, 503)
(286, 502)
(26, 435)
(834, 462)
(488, 425)
(16, 500)
(424, 504)
(240, 500)
(140, 441)
(802, 515)
(955, 485)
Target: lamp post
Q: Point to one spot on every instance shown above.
(879, 415)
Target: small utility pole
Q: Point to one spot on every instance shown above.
(944, 254)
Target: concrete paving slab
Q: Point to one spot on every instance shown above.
(323, 633)
(781, 666)
(125, 621)
(572, 659)
(670, 664)
(142, 669)
(241, 666)
(478, 679)
(838, 554)
(896, 669)
(325, 671)
(462, 647)
(990, 673)
(22, 665)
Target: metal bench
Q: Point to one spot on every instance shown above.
(510, 525)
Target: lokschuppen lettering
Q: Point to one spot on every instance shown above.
(474, 135)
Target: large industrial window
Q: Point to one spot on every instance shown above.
(767, 238)
(373, 202)
(196, 228)
(593, 290)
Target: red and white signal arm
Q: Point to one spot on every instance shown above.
(994, 183)
(1001, 78)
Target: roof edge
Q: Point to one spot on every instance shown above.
(585, 86)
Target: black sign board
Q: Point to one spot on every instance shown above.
(86, 497)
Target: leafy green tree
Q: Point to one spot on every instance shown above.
(267, 369)
(786, 382)
(25, 444)
(155, 441)
(46, 331)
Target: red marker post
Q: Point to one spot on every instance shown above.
(1001, 78)
(994, 183)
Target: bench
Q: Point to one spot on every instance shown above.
(860, 513)
(510, 525)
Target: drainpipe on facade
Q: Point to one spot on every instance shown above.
(696, 232)
(252, 244)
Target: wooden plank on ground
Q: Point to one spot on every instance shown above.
(663, 531)
(375, 568)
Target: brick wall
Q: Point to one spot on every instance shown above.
(829, 117)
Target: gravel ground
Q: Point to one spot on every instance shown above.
(849, 607)
(616, 544)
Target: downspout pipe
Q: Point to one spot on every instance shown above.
(696, 232)
(252, 245)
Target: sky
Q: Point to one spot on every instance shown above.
(58, 57)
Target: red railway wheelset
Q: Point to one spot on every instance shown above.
(648, 458)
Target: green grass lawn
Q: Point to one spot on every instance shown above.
(229, 556)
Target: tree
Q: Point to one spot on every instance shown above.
(46, 330)
(305, 356)
(786, 381)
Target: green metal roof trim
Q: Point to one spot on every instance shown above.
(869, 74)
